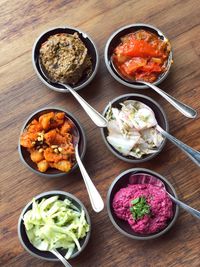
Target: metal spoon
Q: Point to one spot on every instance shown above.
(95, 198)
(183, 108)
(143, 178)
(60, 257)
(94, 115)
(193, 154)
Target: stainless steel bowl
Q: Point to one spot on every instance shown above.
(114, 40)
(160, 117)
(25, 155)
(45, 255)
(122, 226)
(92, 51)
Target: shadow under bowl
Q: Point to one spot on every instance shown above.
(115, 40)
(92, 51)
(25, 155)
(121, 181)
(159, 115)
(45, 255)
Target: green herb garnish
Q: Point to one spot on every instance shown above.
(139, 208)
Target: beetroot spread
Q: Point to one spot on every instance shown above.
(146, 207)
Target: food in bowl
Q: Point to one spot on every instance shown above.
(142, 56)
(132, 129)
(54, 223)
(146, 207)
(65, 58)
(49, 141)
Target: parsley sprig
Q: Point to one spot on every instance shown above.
(139, 208)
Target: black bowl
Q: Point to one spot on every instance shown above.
(51, 172)
(115, 40)
(44, 254)
(92, 51)
(160, 117)
(122, 226)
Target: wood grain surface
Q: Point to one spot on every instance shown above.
(21, 93)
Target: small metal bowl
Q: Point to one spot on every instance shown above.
(115, 40)
(160, 117)
(45, 255)
(122, 226)
(92, 51)
(25, 155)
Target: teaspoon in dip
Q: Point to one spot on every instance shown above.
(193, 154)
(94, 115)
(95, 198)
(143, 178)
(183, 108)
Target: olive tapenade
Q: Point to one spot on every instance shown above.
(65, 58)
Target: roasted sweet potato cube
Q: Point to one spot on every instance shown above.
(45, 120)
(63, 165)
(43, 165)
(36, 156)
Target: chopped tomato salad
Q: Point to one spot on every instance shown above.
(141, 55)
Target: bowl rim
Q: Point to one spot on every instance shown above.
(76, 88)
(117, 77)
(81, 132)
(117, 154)
(157, 175)
(39, 196)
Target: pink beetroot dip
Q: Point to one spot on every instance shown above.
(158, 200)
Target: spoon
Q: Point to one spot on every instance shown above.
(183, 108)
(143, 178)
(95, 198)
(193, 154)
(57, 254)
(94, 115)
(60, 257)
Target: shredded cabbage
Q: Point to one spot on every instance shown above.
(55, 223)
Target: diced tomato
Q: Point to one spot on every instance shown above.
(137, 48)
(151, 67)
(133, 64)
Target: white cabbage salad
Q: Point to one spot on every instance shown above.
(132, 129)
(55, 223)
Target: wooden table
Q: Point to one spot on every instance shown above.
(22, 93)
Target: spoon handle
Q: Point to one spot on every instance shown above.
(183, 108)
(61, 258)
(95, 198)
(94, 115)
(192, 153)
(189, 209)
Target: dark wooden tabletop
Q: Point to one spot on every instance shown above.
(22, 93)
